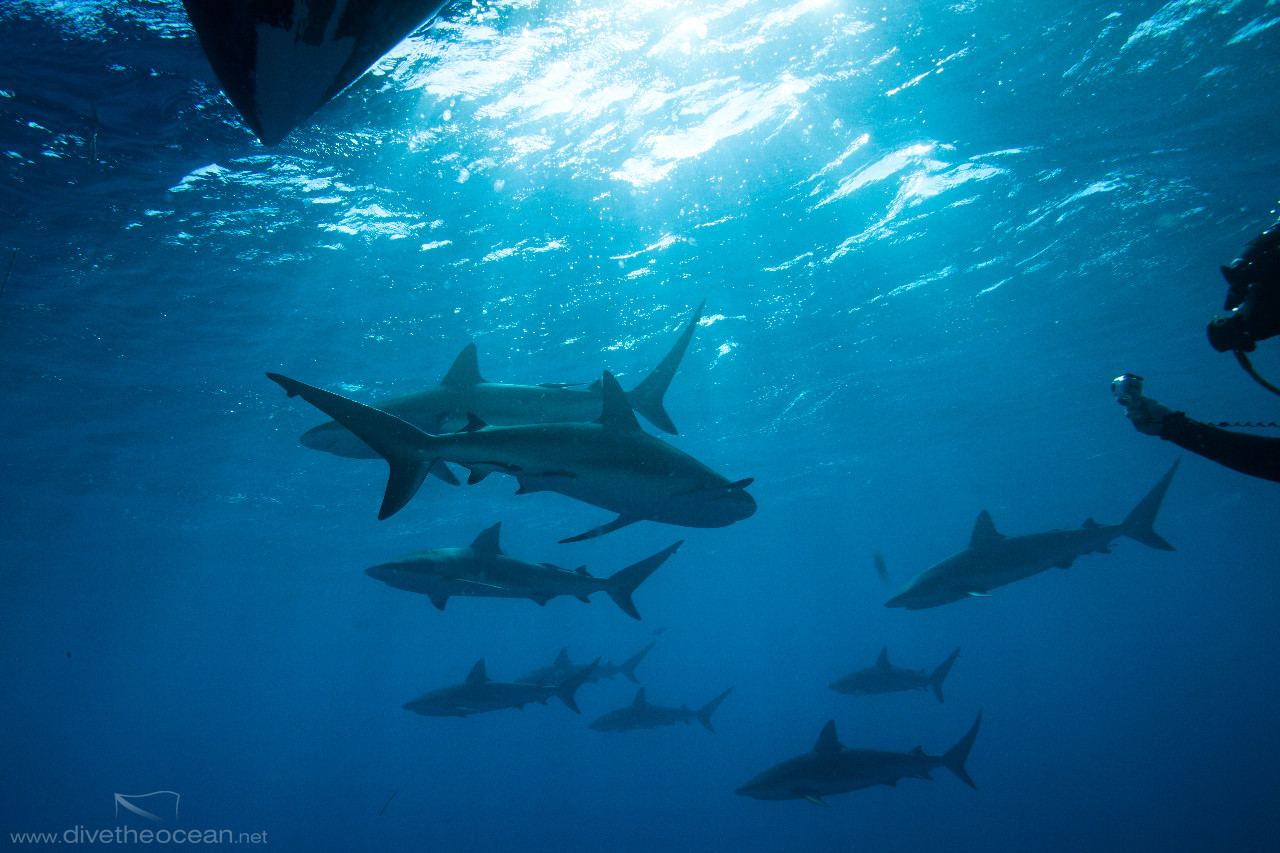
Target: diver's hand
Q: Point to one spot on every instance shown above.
(1146, 414)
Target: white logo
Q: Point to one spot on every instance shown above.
(157, 803)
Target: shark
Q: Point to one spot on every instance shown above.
(610, 463)
(562, 666)
(884, 677)
(482, 569)
(479, 694)
(463, 392)
(994, 559)
(832, 768)
(640, 714)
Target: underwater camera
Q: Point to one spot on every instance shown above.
(1127, 387)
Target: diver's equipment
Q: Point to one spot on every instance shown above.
(1128, 388)
(1253, 302)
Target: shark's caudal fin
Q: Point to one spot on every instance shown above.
(623, 583)
(403, 445)
(646, 398)
(954, 758)
(629, 667)
(1139, 523)
(935, 680)
(704, 713)
(566, 688)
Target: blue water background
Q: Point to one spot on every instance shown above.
(928, 234)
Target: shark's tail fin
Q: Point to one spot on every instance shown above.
(623, 583)
(568, 687)
(1139, 524)
(405, 447)
(704, 713)
(646, 398)
(954, 758)
(628, 668)
(935, 680)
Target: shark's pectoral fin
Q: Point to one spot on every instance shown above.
(617, 524)
(816, 799)
(439, 599)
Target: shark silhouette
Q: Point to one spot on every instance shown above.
(479, 694)
(640, 714)
(993, 559)
(884, 677)
(610, 463)
(463, 392)
(482, 569)
(832, 768)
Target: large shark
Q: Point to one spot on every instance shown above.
(884, 677)
(479, 694)
(993, 559)
(464, 392)
(610, 463)
(562, 666)
(482, 569)
(640, 714)
(832, 768)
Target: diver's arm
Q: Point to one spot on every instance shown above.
(1256, 455)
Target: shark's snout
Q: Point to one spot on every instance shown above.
(380, 573)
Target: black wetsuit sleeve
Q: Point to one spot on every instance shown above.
(1256, 455)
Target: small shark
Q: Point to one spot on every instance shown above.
(464, 392)
(610, 463)
(479, 694)
(482, 569)
(884, 677)
(993, 559)
(832, 768)
(562, 666)
(641, 715)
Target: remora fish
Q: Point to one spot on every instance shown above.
(832, 768)
(642, 715)
(611, 463)
(479, 694)
(464, 392)
(482, 569)
(993, 559)
(562, 666)
(884, 677)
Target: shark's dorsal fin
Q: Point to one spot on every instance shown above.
(1089, 524)
(487, 542)
(828, 742)
(984, 532)
(882, 662)
(465, 370)
(581, 572)
(477, 676)
(919, 750)
(562, 659)
(639, 701)
(616, 412)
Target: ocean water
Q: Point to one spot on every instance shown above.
(928, 235)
